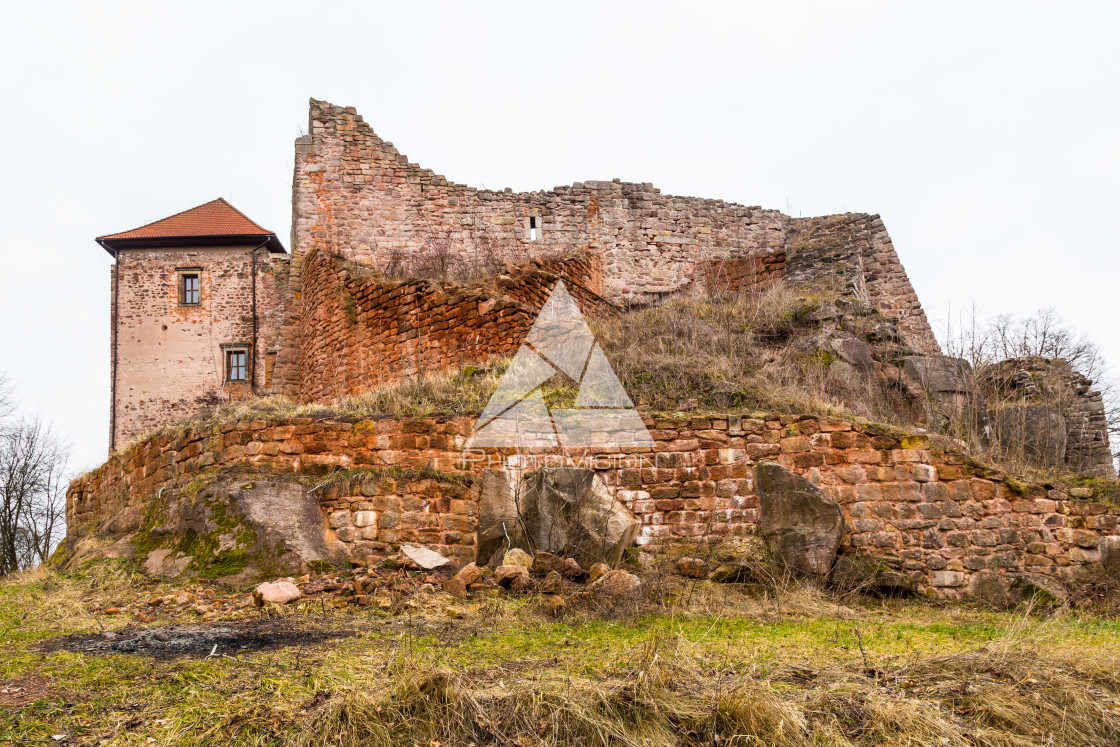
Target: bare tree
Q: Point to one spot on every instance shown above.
(32, 489)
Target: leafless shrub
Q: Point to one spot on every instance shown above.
(1010, 368)
(32, 490)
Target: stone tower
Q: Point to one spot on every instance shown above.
(192, 299)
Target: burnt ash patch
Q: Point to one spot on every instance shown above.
(175, 641)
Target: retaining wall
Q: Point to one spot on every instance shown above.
(902, 497)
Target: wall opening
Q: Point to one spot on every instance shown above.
(534, 228)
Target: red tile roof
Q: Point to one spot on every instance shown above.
(217, 218)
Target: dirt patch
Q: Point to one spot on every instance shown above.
(22, 692)
(226, 638)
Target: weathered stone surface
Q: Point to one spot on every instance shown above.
(1110, 552)
(692, 568)
(552, 584)
(1031, 433)
(469, 574)
(517, 556)
(801, 525)
(617, 585)
(554, 605)
(569, 512)
(422, 557)
(276, 592)
(512, 577)
(991, 588)
(598, 571)
(875, 573)
(546, 562)
(499, 519)
(237, 528)
(566, 512)
(455, 587)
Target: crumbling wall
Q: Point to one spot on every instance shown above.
(359, 330)
(356, 191)
(1051, 411)
(941, 519)
(853, 253)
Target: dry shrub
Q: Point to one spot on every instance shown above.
(760, 351)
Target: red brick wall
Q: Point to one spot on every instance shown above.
(359, 330)
(752, 273)
(901, 497)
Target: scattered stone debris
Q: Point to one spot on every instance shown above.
(276, 592)
(422, 558)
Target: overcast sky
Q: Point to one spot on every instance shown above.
(985, 135)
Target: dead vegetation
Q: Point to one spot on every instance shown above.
(694, 663)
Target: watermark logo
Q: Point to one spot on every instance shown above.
(559, 342)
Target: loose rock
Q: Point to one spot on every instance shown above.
(277, 592)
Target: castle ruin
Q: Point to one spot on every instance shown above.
(208, 307)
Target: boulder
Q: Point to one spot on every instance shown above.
(469, 574)
(802, 527)
(275, 592)
(991, 588)
(617, 585)
(692, 568)
(512, 577)
(1109, 547)
(422, 558)
(565, 511)
(598, 571)
(739, 559)
(874, 573)
(499, 518)
(517, 556)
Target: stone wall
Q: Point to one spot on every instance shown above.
(168, 358)
(359, 330)
(943, 520)
(354, 194)
(854, 253)
(1045, 412)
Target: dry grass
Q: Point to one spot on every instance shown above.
(727, 667)
(745, 351)
(752, 351)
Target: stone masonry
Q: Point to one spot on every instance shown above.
(903, 498)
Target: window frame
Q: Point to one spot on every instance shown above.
(183, 274)
(229, 350)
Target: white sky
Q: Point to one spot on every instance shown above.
(984, 134)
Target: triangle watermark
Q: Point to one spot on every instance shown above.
(559, 342)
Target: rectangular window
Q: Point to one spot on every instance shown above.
(534, 228)
(188, 288)
(235, 365)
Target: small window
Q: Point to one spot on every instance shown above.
(235, 365)
(534, 228)
(188, 288)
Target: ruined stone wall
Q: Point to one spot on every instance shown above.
(854, 253)
(1044, 412)
(168, 358)
(750, 274)
(944, 521)
(356, 194)
(359, 330)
